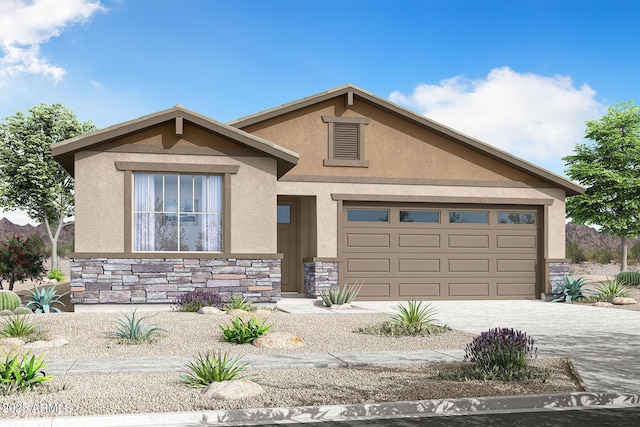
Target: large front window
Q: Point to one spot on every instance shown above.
(177, 212)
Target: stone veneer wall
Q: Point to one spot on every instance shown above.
(557, 270)
(135, 280)
(320, 276)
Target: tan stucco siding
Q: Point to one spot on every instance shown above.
(394, 147)
(100, 200)
(327, 208)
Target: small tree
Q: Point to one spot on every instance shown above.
(610, 170)
(21, 260)
(30, 178)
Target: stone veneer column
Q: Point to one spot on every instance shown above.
(557, 270)
(320, 276)
(135, 280)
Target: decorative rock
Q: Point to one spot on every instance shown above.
(234, 389)
(236, 312)
(209, 310)
(623, 301)
(55, 342)
(281, 340)
(11, 342)
(603, 304)
(340, 307)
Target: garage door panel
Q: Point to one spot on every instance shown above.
(468, 266)
(409, 265)
(419, 290)
(356, 240)
(419, 241)
(380, 290)
(516, 289)
(469, 290)
(468, 241)
(516, 242)
(368, 265)
(516, 265)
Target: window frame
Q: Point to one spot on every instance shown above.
(331, 160)
(226, 171)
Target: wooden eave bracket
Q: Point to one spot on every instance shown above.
(179, 127)
(348, 102)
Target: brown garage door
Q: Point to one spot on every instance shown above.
(418, 251)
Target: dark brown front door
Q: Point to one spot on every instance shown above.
(288, 244)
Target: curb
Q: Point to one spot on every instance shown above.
(309, 414)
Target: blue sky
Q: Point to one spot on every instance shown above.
(521, 75)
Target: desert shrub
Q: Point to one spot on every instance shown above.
(634, 251)
(64, 249)
(243, 331)
(194, 300)
(209, 368)
(21, 260)
(343, 295)
(570, 289)
(56, 274)
(43, 300)
(629, 278)
(132, 329)
(575, 252)
(608, 290)
(413, 319)
(499, 354)
(22, 310)
(238, 303)
(600, 255)
(414, 313)
(18, 326)
(21, 372)
(9, 300)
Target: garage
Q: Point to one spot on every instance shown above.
(429, 251)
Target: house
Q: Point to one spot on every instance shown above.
(333, 188)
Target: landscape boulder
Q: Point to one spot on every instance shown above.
(281, 340)
(209, 310)
(603, 304)
(234, 389)
(623, 301)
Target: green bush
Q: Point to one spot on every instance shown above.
(18, 326)
(629, 278)
(343, 295)
(209, 368)
(132, 329)
(9, 300)
(244, 331)
(570, 289)
(56, 274)
(238, 303)
(414, 313)
(21, 260)
(634, 251)
(575, 252)
(21, 372)
(43, 300)
(600, 255)
(608, 290)
(414, 319)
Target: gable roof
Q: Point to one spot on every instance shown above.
(349, 90)
(64, 151)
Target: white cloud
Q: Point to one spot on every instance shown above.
(27, 24)
(535, 117)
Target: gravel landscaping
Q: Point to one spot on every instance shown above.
(189, 334)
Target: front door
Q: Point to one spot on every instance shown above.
(288, 244)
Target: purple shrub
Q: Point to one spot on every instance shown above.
(194, 300)
(502, 349)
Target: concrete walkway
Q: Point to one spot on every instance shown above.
(603, 344)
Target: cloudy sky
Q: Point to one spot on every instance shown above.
(520, 75)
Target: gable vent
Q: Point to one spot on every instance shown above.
(346, 137)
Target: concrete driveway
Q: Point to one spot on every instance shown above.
(604, 343)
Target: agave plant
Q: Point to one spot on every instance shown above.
(414, 313)
(135, 329)
(612, 288)
(212, 367)
(570, 289)
(43, 299)
(343, 295)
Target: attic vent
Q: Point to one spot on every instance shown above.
(346, 137)
(346, 141)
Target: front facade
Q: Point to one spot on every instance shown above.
(334, 188)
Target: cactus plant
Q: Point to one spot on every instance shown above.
(629, 278)
(9, 300)
(6, 313)
(22, 310)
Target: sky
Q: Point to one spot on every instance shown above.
(523, 76)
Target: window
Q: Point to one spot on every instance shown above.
(367, 215)
(468, 217)
(284, 214)
(516, 218)
(346, 141)
(420, 216)
(177, 212)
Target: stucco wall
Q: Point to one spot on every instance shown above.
(100, 200)
(327, 208)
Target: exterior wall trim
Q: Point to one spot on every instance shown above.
(176, 167)
(438, 199)
(176, 255)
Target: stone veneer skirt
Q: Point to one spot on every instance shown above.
(161, 280)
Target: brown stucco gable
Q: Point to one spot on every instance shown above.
(351, 94)
(64, 151)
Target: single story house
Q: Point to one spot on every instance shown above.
(337, 187)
